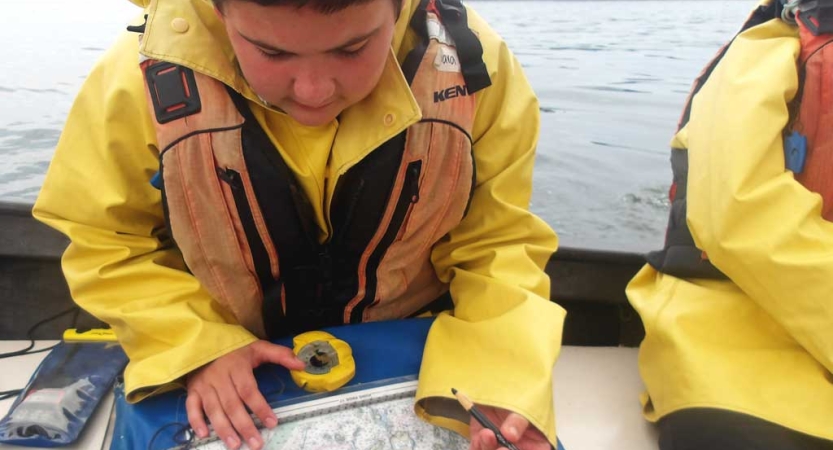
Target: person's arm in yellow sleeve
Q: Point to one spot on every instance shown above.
(121, 266)
(757, 224)
(502, 340)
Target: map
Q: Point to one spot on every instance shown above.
(384, 422)
(390, 425)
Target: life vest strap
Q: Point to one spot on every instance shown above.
(469, 50)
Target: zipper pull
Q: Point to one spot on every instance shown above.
(230, 177)
(795, 152)
(156, 180)
(413, 177)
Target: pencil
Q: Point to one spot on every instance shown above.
(468, 405)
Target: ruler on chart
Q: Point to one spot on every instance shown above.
(320, 404)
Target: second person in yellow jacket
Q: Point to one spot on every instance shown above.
(738, 306)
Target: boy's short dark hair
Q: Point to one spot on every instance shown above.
(322, 6)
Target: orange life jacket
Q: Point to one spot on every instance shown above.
(814, 118)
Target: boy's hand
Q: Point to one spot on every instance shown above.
(222, 389)
(514, 427)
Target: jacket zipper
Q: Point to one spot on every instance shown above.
(263, 266)
(408, 197)
(325, 258)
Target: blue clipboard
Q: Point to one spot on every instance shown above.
(382, 350)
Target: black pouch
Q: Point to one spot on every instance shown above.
(62, 394)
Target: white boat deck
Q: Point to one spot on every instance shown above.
(596, 397)
(596, 391)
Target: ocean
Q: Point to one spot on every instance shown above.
(612, 78)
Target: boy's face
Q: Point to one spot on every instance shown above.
(309, 64)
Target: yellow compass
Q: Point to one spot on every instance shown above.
(329, 362)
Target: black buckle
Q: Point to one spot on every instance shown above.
(817, 16)
(173, 91)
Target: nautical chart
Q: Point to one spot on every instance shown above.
(377, 418)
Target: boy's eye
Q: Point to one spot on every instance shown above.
(273, 54)
(352, 52)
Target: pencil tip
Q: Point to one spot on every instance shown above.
(454, 391)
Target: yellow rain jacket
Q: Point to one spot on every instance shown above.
(504, 335)
(761, 344)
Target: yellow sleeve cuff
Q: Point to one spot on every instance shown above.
(505, 362)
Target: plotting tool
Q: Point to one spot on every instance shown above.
(315, 405)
